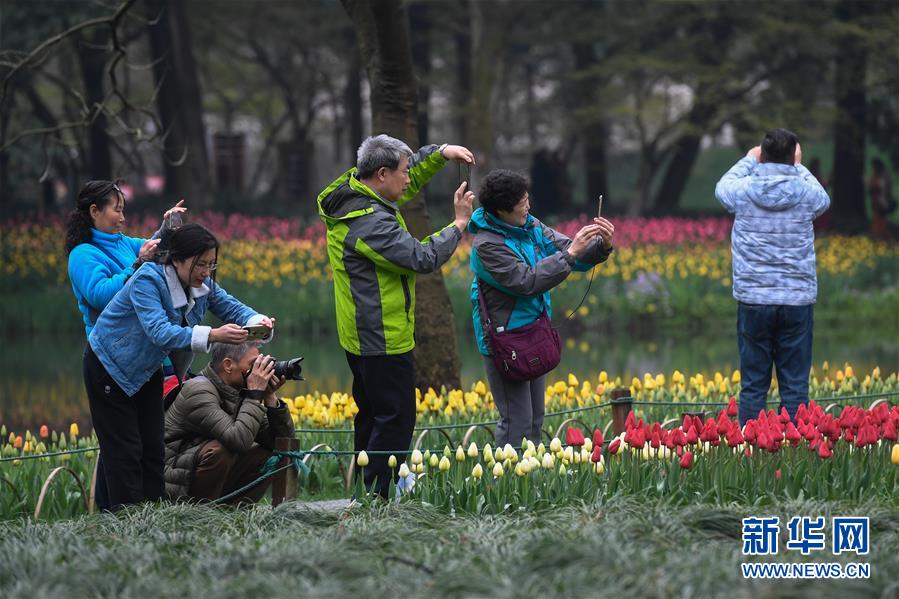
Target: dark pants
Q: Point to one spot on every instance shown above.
(101, 493)
(521, 405)
(130, 431)
(773, 335)
(384, 391)
(220, 471)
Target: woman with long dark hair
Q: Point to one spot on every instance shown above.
(157, 314)
(101, 258)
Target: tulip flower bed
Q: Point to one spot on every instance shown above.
(841, 452)
(851, 456)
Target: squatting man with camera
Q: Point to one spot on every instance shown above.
(221, 427)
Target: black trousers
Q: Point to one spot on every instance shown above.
(130, 430)
(384, 391)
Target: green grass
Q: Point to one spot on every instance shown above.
(623, 547)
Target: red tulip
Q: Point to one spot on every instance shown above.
(597, 438)
(597, 453)
(824, 451)
(777, 474)
(687, 460)
(889, 430)
(732, 410)
(574, 437)
(723, 424)
(44, 432)
(784, 415)
(692, 436)
(792, 434)
(614, 444)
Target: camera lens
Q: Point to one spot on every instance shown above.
(290, 369)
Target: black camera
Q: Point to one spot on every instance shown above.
(289, 369)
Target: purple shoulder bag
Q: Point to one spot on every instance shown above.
(524, 353)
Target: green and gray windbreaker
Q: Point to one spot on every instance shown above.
(374, 259)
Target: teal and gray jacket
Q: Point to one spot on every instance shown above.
(519, 265)
(773, 239)
(374, 259)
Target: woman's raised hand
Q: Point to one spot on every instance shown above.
(583, 239)
(148, 250)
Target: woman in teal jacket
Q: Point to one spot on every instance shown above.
(519, 259)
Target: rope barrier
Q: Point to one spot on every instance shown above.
(269, 469)
(35, 456)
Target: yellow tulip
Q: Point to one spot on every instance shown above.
(432, 461)
(497, 470)
(572, 380)
(603, 377)
(548, 461)
(362, 459)
(562, 470)
(598, 467)
(73, 430)
(735, 377)
(499, 454)
(404, 470)
(391, 461)
(444, 464)
(480, 388)
(488, 451)
(460, 454)
(849, 372)
(416, 457)
(472, 450)
(555, 445)
(477, 471)
(894, 456)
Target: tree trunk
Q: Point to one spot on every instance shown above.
(382, 27)
(684, 155)
(180, 105)
(420, 25)
(92, 58)
(353, 95)
(849, 130)
(593, 129)
(463, 88)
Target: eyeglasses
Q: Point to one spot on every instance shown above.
(208, 267)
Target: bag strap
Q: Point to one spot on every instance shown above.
(110, 256)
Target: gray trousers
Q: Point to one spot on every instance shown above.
(521, 406)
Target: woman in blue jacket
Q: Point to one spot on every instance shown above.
(101, 258)
(519, 259)
(157, 314)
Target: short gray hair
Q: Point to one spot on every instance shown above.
(380, 150)
(219, 351)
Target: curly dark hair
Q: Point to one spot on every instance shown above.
(78, 226)
(187, 242)
(501, 189)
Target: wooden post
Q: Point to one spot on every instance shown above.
(622, 403)
(284, 484)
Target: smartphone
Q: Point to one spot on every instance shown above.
(257, 332)
(465, 174)
(599, 209)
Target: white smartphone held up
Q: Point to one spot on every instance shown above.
(599, 209)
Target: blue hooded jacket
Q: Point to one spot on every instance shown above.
(773, 240)
(519, 265)
(98, 269)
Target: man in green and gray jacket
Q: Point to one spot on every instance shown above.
(374, 260)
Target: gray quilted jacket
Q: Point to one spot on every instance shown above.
(773, 242)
